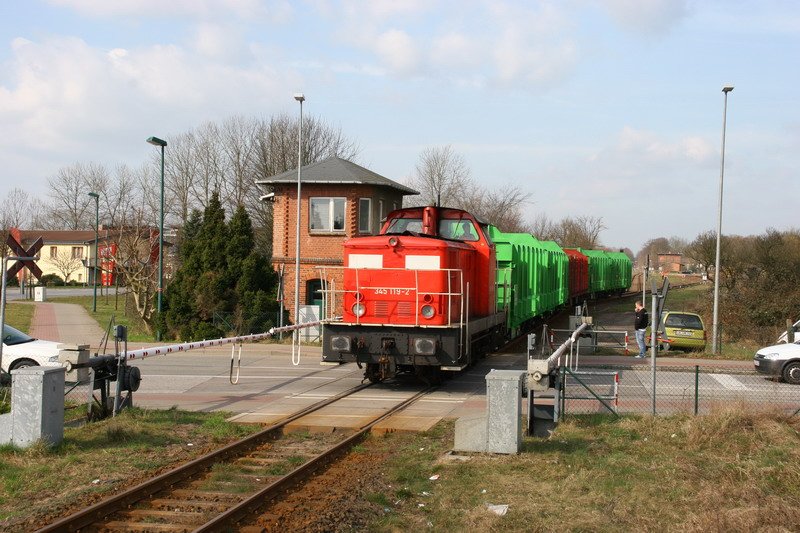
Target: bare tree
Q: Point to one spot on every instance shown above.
(14, 213)
(442, 177)
(136, 245)
(580, 232)
(68, 192)
(238, 143)
(543, 228)
(500, 207)
(703, 249)
(209, 172)
(66, 263)
(179, 175)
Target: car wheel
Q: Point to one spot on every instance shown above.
(791, 373)
(22, 363)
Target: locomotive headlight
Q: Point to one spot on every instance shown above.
(359, 309)
(424, 346)
(341, 343)
(427, 311)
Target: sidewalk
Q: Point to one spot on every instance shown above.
(67, 323)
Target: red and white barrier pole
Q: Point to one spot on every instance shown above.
(177, 348)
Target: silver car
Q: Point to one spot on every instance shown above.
(780, 360)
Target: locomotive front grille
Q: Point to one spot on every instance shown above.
(382, 309)
(405, 309)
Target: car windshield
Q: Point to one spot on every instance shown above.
(675, 320)
(13, 336)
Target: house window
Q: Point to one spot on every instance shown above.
(77, 252)
(53, 252)
(327, 214)
(380, 210)
(365, 215)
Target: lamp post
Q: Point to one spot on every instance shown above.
(715, 329)
(300, 98)
(96, 225)
(155, 141)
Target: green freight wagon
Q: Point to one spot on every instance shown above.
(621, 271)
(531, 277)
(609, 272)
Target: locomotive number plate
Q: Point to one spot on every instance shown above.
(395, 292)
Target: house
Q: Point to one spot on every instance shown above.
(72, 256)
(670, 262)
(338, 200)
(67, 254)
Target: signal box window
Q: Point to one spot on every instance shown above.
(365, 215)
(327, 215)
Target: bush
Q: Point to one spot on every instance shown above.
(51, 280)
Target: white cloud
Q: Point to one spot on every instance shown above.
(272, 10)
(488, 42)
(398, 51)
(79, 103)
(647, 16)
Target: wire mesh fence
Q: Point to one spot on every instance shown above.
(675, 389)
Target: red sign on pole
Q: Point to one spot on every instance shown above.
(17, 249)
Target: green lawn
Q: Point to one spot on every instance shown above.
(19, 315)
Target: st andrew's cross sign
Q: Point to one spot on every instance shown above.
(17, 249)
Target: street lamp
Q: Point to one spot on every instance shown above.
(715, 330)
(300, 98)
(155, 141)
(96, 224)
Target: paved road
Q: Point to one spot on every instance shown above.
(13, 293)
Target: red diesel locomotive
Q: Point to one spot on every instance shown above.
(419, 297)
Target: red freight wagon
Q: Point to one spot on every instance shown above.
(578, 273)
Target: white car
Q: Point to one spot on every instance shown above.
(21, 350)
(781, 360)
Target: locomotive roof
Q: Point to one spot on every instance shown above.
(335, 170)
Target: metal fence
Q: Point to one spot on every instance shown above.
(692, 389)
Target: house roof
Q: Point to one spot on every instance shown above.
(58, 236)
(335, 170)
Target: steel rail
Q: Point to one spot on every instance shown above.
(124, 499)
(251, 505)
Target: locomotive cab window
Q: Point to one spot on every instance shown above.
(459, 230)
(326, 215)
(399, 225)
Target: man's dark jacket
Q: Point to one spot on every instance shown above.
(641, 319)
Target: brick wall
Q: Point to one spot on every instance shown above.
(318, 249)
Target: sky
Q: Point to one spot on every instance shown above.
(603, 108)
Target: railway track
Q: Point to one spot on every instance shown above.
(225, 487)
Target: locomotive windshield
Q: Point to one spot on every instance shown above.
(454, 229)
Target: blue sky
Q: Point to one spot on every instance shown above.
(605, 108)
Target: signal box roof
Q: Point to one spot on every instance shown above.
(335, 170)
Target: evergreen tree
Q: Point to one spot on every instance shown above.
(222, 276)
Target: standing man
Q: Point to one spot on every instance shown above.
(640, 325)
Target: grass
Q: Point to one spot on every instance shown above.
(729, 471)
(101, 457)
(19, 315)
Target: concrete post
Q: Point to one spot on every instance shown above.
(37, 407)
(504, 411)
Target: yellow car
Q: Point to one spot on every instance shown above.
(680, 330)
